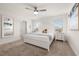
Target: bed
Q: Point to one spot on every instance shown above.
(39, 39)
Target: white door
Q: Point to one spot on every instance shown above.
(24, 27)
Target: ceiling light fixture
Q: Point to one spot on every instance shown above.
(35, 12)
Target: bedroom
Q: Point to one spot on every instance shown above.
(36, 29)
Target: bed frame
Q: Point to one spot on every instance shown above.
(39, 40)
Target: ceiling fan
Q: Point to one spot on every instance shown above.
(36, 10)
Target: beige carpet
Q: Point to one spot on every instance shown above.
(57, 48)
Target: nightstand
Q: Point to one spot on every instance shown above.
(59, 36)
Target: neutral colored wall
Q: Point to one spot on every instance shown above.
(0, 27)
(18, 17)
(49, 22)
(73, 38)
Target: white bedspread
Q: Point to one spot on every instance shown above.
(39, 39)
(44, 34)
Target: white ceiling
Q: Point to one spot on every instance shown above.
(53, 9)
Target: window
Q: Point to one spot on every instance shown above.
(74, 18)
(58, 24)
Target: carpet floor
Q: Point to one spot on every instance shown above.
(57, 48)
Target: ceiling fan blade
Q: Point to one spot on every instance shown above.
(28, 8)
(42, 10)
(30, 5)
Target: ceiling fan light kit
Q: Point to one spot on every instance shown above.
(36, 10)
